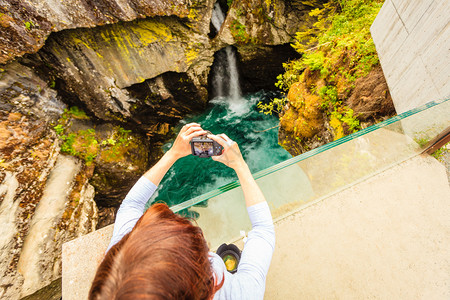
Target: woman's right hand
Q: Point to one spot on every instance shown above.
(231, 155)
(181, 146)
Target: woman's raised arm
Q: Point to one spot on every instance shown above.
(133, 205)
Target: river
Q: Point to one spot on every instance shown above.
(239, 118)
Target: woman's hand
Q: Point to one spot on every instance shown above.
(231, 155)
(181, 146)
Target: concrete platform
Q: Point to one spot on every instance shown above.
(385, 238)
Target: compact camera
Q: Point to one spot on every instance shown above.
(202, 146)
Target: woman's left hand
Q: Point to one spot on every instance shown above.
(181, 146)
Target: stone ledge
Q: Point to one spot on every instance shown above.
(80, 260)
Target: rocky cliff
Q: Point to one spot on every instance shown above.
(45, 196)
(134, 68)
(26, 24)
(305, 123)
(338, 86)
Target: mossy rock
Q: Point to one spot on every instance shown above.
(122, 159)
(304, 117)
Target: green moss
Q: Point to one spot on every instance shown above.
(238, 31)
(59, 129)
(116, 147)
(75, 112)
(84, 144)
(81, 144)
(29, 24)
(127, 37)
(343, 28)
(150, 31)
(336, 51)
(193, 14)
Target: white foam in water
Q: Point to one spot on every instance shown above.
(192, 176)
(233, 115)
(237, 107)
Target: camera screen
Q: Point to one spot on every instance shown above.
(203, 148)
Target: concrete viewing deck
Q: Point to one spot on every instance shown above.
(387, 237)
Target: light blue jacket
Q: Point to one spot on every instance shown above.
(250, 279)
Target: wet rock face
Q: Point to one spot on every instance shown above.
(261, 22)
(118, 165)
(22, 91)
(31, 238)
(29, 152)
(98, 65)
(26, 24)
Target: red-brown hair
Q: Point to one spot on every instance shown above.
(164, 257)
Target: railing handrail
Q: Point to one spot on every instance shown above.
(306, 155)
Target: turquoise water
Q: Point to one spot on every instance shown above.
(192, 176)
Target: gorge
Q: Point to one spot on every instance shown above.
(231, 113)
(91, 93)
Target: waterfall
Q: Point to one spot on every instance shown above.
(225, 72)
(217, 17)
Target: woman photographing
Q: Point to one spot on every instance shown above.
(160, 255)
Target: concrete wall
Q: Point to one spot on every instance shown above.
(412, 38)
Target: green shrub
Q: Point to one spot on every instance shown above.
(274, 106)
(315, 61)
(342, 28)
(293, 71)
(351, 120)
(336, 50)
(329, 95)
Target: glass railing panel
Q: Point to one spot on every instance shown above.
(321, 172)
